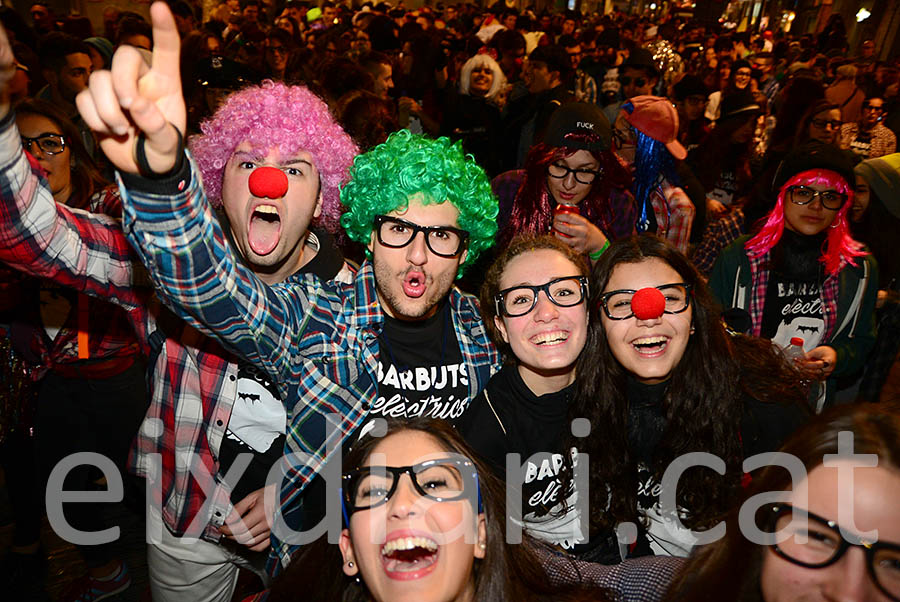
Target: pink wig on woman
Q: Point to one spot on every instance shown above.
(290, 118)
(839, 245)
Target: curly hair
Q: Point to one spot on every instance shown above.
(275, 115)
(383, 179)
(703, 403)
(840, 248)
(532, 211)
(520, 245)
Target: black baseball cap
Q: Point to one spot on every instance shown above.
(579, 125)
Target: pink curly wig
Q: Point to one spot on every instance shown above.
(839, 245)
(273, 114)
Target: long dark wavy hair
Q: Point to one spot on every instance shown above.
(703, 403)
(532, 211)
(730, 568)
(507, 572)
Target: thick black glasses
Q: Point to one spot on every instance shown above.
(444, 241)
(814, 542)
(823, 123)
(638, 81)
(582, 176)
(617, 304)
(878, 108)
(803, 195)
(50, 144)
(441, 480)
(515, 301)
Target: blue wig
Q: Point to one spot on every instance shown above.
(652, 163)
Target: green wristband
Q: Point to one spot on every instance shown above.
(596, 254)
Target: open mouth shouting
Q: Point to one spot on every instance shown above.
(409, 557)
(650, 346)
(264, 229)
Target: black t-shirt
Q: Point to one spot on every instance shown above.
(793, 304)
(420, 373)
(258, 418)
(507, 418)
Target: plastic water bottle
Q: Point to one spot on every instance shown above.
(794, 351)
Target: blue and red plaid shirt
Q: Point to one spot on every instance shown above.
(194, 382)
(317, 340)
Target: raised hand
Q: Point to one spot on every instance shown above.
(134, 97)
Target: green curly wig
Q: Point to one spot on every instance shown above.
(383, 179)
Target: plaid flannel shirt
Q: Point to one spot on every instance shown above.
(21, 178)
(318, 341)
(194, 381)
(193, 386)
(718, 234)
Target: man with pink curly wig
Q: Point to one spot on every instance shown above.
(273, 160)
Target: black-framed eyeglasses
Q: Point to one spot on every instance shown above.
(638, 81)
(804, 195)
(516, 301)
(617, 304)
(49, 143)
(582, 176)
(823, 123)
(870, 107)
(443, 241)
(814, 542)
(441, 480)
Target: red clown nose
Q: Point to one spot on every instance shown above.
(268, 183)
(648, 304)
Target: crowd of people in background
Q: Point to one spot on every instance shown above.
(680, 231)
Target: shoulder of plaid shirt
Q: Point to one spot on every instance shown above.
(30, 244)
(317, 340)
(193, 378)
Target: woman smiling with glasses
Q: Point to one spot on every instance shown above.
(658, 378)
(534, 304)
(424, 521)
(824, 545)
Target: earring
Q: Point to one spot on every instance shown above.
(350, 564)
(483, 546)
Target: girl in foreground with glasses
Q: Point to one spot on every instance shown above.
(424, 521)
(824, 544)
(802, 277)
(659, 377)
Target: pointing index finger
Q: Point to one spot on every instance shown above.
(166, 42)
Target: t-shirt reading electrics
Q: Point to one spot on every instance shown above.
(420, 369)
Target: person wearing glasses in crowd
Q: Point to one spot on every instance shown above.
(869, 138)
(802, 275)
(660, 377)
(534, 304)
(820, 123)
(424, 520)
(637, 76)
(572, 185)
(397, 341)
(826, 538)
(91, 394)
